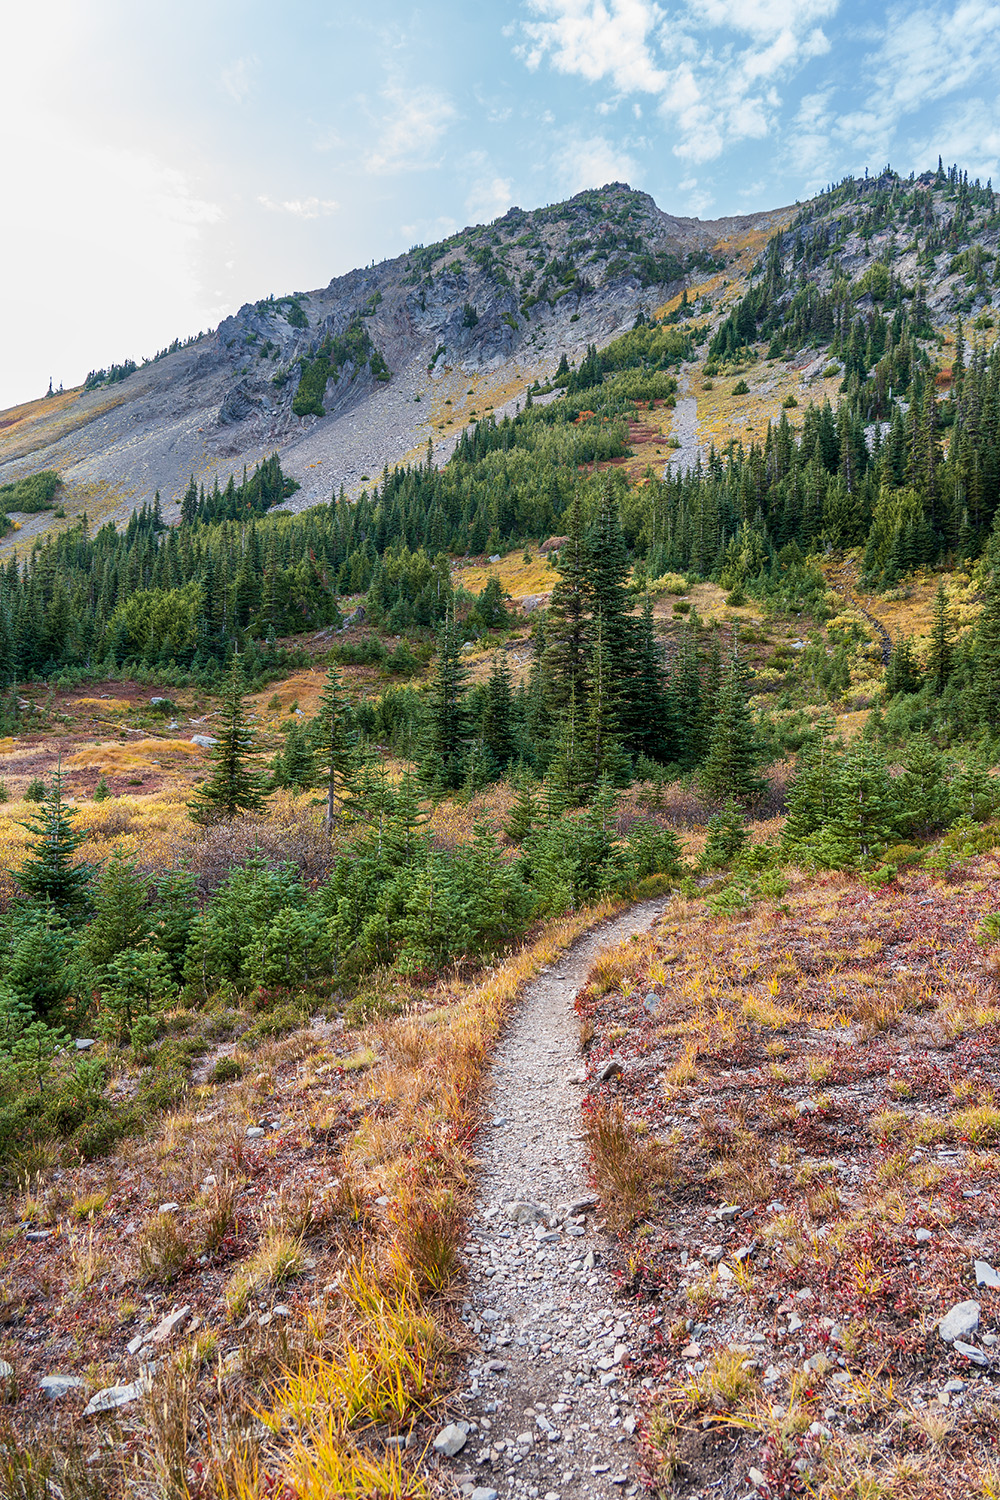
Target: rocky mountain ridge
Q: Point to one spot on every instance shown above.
(364, 372)
(349, 377)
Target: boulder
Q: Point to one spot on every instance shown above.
(962, 1320)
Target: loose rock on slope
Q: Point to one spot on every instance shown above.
(548, 1401)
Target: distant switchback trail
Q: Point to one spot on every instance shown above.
(843, 579)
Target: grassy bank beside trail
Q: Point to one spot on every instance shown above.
(800, 1156)
(317, 1262)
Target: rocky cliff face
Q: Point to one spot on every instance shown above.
(346, 378)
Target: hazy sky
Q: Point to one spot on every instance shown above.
(164, 163)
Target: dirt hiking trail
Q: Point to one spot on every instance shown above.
(547, 1403)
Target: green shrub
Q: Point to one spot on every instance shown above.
(225, 1070)
(36, 790)
(278, 1021)
(33, 493)
(741, 388)
(988, 930)
(727, 834)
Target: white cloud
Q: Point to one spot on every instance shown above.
(762, 18)
(238, 78)
(415, 121)
(429, 231)
(597, 39)
(301, 208)
(922, 56)
(489, 198)
(714, 66)
(970, 135)
(810, 147)
(591, 162)
(133, 291)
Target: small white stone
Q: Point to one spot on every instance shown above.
(970, 1351)
(169, 1325)
(450, 1440)
(55, 1386)
(114, 1396)
(985, 1275)
(253, 1133)
(963, 1319)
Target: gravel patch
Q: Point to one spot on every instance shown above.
(548, 1405)
(684, 428)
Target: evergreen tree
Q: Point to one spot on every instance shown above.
(563, 665)
(941, 658)
(498, 716)
(235, 785)
(41, 961)
(611, 623)
(525, 813)
(333, 746)
(922, 788)
(812, 796)
(490, 610)
(727, 834)
(294, 765)
(447, 726)
(120, 918)
(986, 650)
(600, 751)
(903, 674)
(734, 753)
(652, 729)
(866, 806)
(686, 698)
(175, 908)
(567, 778)
(49, 872)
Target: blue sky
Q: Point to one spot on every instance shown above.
(166, 163)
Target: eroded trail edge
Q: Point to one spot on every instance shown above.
(547, 1402)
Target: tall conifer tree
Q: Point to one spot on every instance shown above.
(235, 785)
(332, 743)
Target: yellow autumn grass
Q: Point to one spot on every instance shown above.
(130, 755)
(518, 577)
(384, 1365)
(102, 705)
(154, 830)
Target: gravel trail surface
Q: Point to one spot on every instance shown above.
(685, 428)
(547, 1402)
